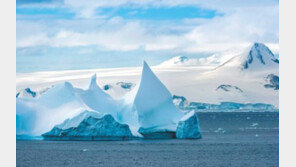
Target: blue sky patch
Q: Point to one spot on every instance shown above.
(56, 12)
(160, 13)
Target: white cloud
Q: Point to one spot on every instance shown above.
(243, 22)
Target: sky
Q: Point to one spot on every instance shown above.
(75, 34)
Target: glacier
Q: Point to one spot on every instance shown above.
(186, 106)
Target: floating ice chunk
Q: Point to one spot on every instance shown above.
(188, 127)
(255, 124)
(220, 130)
(104, 128)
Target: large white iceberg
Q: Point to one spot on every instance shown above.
(147, 109)
(188, 127)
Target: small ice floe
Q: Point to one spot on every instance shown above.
(85, 150)
(256, 135)
(248, 118)
(254, 124)
(242, 129)
(220, 130)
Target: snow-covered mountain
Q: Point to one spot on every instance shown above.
(26, 93)
(258, 57)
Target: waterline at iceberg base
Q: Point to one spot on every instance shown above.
(67, 113)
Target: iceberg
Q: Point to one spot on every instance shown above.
(154, 105)
(188, 127)
(76, 114)
(90, 128)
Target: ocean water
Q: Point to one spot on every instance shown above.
(229, 139)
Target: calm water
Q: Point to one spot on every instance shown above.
(229, 139)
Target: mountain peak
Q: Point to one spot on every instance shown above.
(259, 53)
(257, 56)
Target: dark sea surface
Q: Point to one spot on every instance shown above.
(229, 139)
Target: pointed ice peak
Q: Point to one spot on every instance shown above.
(149, 79)
(145, 65)
(147, 72)
(153, 102)
(93, 82)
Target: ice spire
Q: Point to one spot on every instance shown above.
(95, 98)
(93, 82)
(154, 103)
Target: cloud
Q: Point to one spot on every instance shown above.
(241, 24)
